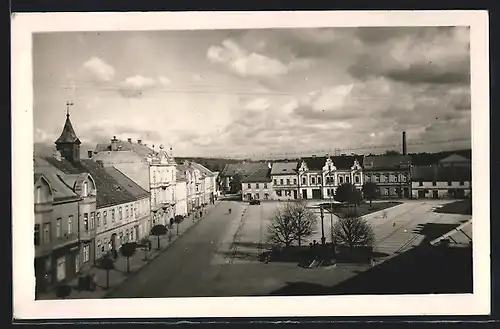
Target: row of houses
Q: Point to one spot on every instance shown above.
(319, 177)
(86, 208)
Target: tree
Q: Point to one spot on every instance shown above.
(177, 220)
(281, 229)
(108, 265)
(293, 222)
(370, 191)
(348, 193)
(63, 291)
(353, 231)
(235, 183)
(128, 250)
(304, 220)
(159, 230)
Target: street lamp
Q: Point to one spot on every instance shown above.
(331, 204)
(323, 239)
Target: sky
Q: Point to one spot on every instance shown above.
(260, 92)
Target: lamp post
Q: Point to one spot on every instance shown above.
(331, 204)
(323, 239)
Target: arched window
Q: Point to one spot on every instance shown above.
(120, 215)
(98, 218)
(105, 218)
(112, 215)
(126, 211)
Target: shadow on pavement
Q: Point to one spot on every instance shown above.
(421, 270)
(432, 231)
(462, 207)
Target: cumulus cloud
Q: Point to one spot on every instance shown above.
(100, 70)
(135, 86)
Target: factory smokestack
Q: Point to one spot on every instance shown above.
(404, 142)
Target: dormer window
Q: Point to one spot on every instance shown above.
(85, 189)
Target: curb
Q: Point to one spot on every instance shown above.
(131, 275)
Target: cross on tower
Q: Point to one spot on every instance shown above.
(68, 104)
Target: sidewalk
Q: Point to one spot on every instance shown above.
(138, 261)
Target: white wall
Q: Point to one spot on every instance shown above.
(441, 187)
(258, 188)
(181, 195)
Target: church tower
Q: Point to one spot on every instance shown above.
(68, 143)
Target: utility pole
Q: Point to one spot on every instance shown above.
(323, 239)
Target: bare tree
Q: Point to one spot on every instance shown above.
(294, 222)
(305, 221)
(353, 231)
(281, 229)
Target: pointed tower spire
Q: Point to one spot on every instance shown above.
(68, 143)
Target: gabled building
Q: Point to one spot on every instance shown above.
(454, 160)
(258, 185)
(441, 182)
(231, 170)
(208, 184)
(319, 177)
(154, 170)
(392, 174)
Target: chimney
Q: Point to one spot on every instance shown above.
(404, 142)
(139, 141)
(114, 144)
(129, 140)
(90, 153)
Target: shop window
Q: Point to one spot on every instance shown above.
(61, 268)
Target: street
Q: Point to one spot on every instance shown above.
(185, 266)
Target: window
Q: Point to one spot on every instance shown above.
(303, 181)
(347, 179)
(61, 269)
(420, 183)
(131, 235)
(265, 185)
(104, 218)
(281, 181)
(37, 234)
(112, 215)
(92, 220)
(449, 183)
(461, 183)
(434, 183)
(288, 181)
(77, 263)
(86, 253)
(249, 185)
(103, 247)
(58, 228)
(121, 238)
(313, 181)
(99, 247)
(98, 218)
(126, 212)
(70, 225)
(120, 214)
(278, 193)
(85, 189)
(275, 182)
(38, 197)
(341, 180)
(356, 178)
(46, 233)
(295, 181)
(86, 221)
(319, 180)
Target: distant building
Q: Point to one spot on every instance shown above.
(319, 177)
(258, 185)
(441, 182)
(209, 184)
(233, 169)
(154, 171)
(392, 174)
(455, 160)
(181, 205)
(284, 177)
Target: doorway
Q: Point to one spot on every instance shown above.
(113, 241)
(295, 194)
(316, 194)
(435, 194)
(304, 194)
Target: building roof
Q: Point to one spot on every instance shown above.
(341, 162)
(127, 183)
(440, 174)
(284, 168)
(60, 189)
(262, 175)
(204, 170)
(68, 134)
(454, 158)
(180, 175)
(387, 161)
(244, 169)
(109, 190)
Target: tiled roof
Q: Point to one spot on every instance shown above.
(60, 188)
(68, 134)
(202, 169)
(242, 168)
(140, 149)
(109, 190)
(262, 175)
(387, 161)
(427, 159)
(342, 162)
(440, 174)
(284, 168)
(127, 183)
